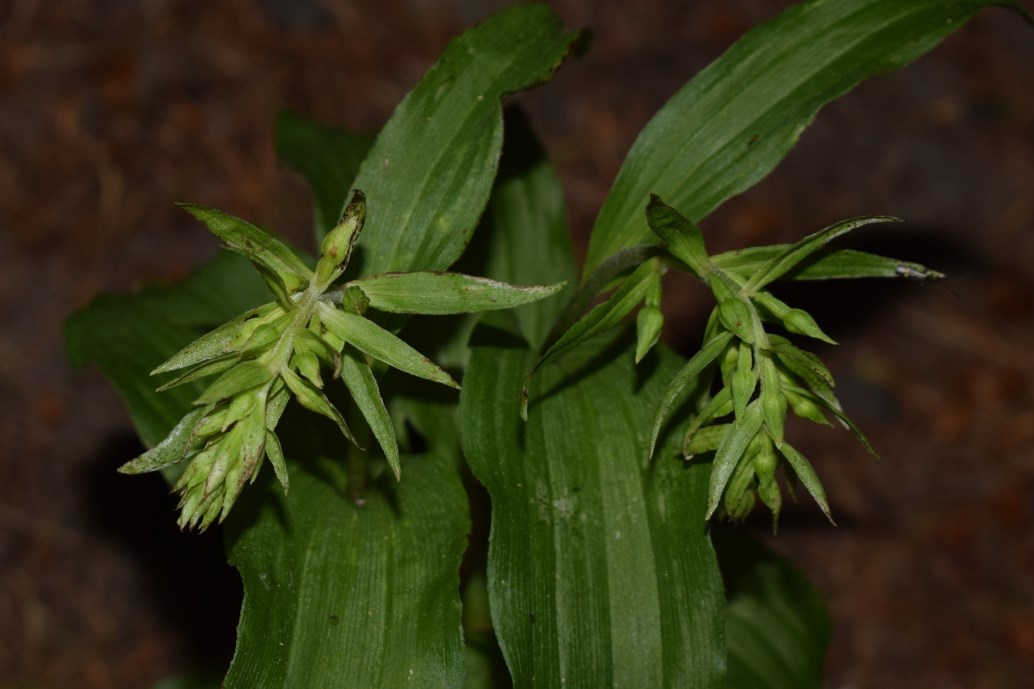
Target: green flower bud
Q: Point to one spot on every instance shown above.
(339, 242)
(649, 324)
(801, 323)
(736, 315)
(354, 300)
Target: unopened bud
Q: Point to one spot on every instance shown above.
(338, 244)
(801, 323)
(649, 324)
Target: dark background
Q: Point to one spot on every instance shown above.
(110, 111)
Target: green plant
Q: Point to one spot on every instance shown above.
(600, 570)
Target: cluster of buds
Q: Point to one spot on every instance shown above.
(763, 375)
(268, 355)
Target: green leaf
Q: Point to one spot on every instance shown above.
(446, 293)
(342, 596)
(687, 374)
(260, 247)
(777, 628)
(733, 446)
(600, 575)
(370, 338)
(806, 474)
(679, 234)
(327, 157)
(429, 174)
(128, 336)
(789, 257)
(363, 386)
(733, 122)
(827, 263)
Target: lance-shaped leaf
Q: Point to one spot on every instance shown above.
(363, 387)
(734, 444)
(785, 260)
(806, 474)
(735, 120)
(679, 234)
(688, 373)
(200, 371)
(801, 362)
(370, 338)
(262, 248)
(429, 175)
(603, 317)
(827, 263)
(582, 538)
(446, 293)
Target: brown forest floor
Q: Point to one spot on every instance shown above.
(109, 111)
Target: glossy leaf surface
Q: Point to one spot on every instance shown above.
(600, 575)
(429, 175)
(733, 122)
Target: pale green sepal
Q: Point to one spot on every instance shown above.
(734, 444)
(693, 368)
(208, 368)
(368, 337)
(244, 376)
(259, 246)
(706, 439)
(367, 395)
(216, 342)
(276, 458)
(806, 473)
(169, 451)
(795, 321)
(314, 400)
(446, 293)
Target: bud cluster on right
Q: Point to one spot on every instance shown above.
(763, 375)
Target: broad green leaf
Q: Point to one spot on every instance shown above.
(363, 387)
(732, 123)
(686, 375)
(342, 596)
(727, 457)
(825, 264)
(446, 293)
(327, 157)
(526, 228)
(602, 318)
(128, 336)
(600, 574)
(785, 260)
(807, 476)
(371, 339)
(430, 172)
(257, 245)
(679, 234)
(777, 628)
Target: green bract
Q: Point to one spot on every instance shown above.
(269, 354)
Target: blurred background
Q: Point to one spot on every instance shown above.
(112, 110)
